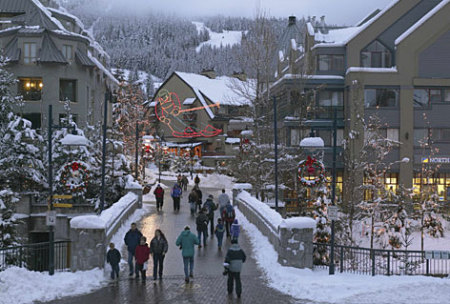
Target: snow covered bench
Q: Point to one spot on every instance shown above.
(291, 238)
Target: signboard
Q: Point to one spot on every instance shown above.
(332, 212)
(50, 219)
(62, 205)
(63, 196)
(291, 207)
(436, 160)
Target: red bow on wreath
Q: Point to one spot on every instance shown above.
(309, 163)
(75, 166)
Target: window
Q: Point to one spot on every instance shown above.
(331, 99)
(330, 62)
(391, 182)
(421, 98)
(29, 53)
(425, 186)
(392, 134)
(421, 137)
(375, 55)
(67, 90)
(447, 95)
(68, 52)
(295, 137)
(381, 98)
(440, 135)
(34, 118)
(30, 88)
(339, 137)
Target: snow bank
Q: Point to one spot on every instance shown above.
(132, 184)
(75, 140)
(312, 142)
(298, 223)
(218, 40)
(317, 285)
(268, 213)
(18, 285)
(106, 219)
(242, 186)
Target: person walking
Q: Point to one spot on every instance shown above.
(176, 195)
(158, 250)
(159, 195)
(113, 258)
(219, 232)
(193, 198)
(199, 196)
(235, 258)
(187, 241)
(235, 230)
(197, 180)
(142, 255)
(223, 201)
(202, 226)
(185, 182)
(228, 215)
(210, 207)
(132, 240)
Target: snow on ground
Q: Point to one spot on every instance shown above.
(216, 40)
(318, 286)
(18, 285)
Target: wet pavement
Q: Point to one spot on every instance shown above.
(208, 285)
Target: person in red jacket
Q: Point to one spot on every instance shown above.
(159, 195)
(142, 255)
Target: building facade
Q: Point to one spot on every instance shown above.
(394, 64)
(210, 114)
(55, 60)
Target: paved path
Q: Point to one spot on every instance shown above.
(208, 285)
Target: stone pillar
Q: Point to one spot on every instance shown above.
(88, 248)
(296, 247)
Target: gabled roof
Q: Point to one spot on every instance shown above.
(421, 21)
(49, 53)
(12, 50)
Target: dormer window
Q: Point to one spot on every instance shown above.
(29, 53)
(376, 55)
(68, 52)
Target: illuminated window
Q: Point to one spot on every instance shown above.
(391, 182)
(29, 53)
(31, 88)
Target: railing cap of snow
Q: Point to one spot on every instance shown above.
(298, 223)
(242, 186)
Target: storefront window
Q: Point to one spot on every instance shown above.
(439, 184)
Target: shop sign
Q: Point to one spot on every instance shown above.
(436, 160)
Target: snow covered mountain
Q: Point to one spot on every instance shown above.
(217, 40)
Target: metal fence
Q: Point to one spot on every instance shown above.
(36, 256)
(382, 261)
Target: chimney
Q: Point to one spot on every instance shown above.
(211, 74)
(292, 20)
(323, 25)
(240, 75)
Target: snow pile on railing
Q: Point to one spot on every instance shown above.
(298, 223)
(107, 217)
(265, 211)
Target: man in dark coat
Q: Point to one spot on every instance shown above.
(132, 240)
(202, 226)
(158, 249)
(235, 258)
(159, 195)
(210, 207)
(113, 258)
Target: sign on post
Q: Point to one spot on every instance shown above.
(62, 196)
(332, 212)
(50, 219)
(62, 205)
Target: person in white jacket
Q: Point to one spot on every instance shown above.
(223, 201)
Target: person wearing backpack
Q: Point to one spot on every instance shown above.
(197, 180)
(223, 201)
(202, 226)
(159, 195)
(193, 198)
(210, 207)
(235, 230)
(176, 195)
(235, 258)
(199, 196)
(228, 216)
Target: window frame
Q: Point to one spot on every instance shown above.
(28, 56)
(372, 48)
(75, 88)
(38, 86)
(331, 58)
(65, 49)
(396, 90)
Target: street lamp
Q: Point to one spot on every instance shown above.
(68, 140)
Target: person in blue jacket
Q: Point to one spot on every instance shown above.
(186, 241)
(132, 240)
(235, 230)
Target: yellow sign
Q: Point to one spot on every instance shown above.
(61, 205)
(62, 196)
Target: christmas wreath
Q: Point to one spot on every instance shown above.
(246, 146)
(74, 176)
(313, 167)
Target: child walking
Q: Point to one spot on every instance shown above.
(113, 258)
(235, 230)
(142, 255)
(219, 231)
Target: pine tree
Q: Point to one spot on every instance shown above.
(8, 235)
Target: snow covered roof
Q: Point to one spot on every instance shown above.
(421, 21)
(74, 140)
(218, 90)
(189, 101)
(232, 140)
(103, 68)
(371, 70)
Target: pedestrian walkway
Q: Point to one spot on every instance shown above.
(208, 285)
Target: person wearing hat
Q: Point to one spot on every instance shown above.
(186, 241)
(159, 195)
(210, 207)
(235, 258)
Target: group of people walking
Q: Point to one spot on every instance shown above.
(139, 252)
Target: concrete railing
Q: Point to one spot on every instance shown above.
(291, 238)
(91, 234)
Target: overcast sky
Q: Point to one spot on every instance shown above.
(336, 11)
